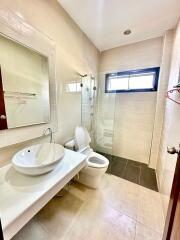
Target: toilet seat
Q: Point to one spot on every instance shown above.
(83, 140)
(91, 175)
(96, 160)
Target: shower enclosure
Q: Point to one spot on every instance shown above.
(104, 121)
(87, 101)
(97, 115)
(121, 127)
(114, 120)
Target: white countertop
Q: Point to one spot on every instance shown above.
(20, 193)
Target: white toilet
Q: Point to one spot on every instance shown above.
(96, 163)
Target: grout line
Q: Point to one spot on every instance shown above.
(135, 235)
(124, 168)
(140, 175)
(149, 227)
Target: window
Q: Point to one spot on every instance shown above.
(73, 87)
(143, 80)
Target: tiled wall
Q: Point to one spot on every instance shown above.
(161, 99)
(74, 54)
(171, 129)
(133, 119)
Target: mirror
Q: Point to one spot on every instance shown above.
(24, 85)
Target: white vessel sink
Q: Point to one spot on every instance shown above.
(38, 159)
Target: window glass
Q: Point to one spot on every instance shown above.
(141, 81)
(118, 83)
(132, 81)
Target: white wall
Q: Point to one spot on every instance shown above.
(161, 99)
(133, 119)
(74, 54)
(171, 129)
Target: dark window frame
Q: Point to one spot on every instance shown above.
(155, 70)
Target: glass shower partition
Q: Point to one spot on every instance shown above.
(104, 121)
(88, 97)
(97, 115)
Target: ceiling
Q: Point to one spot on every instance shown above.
(104, 21)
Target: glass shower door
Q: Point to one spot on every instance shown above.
(88, 95)
(104, 121)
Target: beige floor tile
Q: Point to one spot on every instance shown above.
(97, 219)
(145, 233)
(121, 195)
(81, 192)
(150, 211)
(110, 225)
(110, 212)
(59, 214)
(33, 231)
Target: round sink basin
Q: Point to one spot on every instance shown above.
(38, 159)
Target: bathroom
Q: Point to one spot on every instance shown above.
(59, 81)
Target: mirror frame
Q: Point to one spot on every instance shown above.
(3, 110)
(15, 28)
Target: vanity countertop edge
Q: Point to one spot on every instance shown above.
(23, 196)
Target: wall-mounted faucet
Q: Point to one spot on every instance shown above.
(48, 131)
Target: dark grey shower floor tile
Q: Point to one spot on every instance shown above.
(118, 166)
(131, 173)
(135, 163)
(148, 178)
(116, 160)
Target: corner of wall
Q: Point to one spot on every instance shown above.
(161, 100)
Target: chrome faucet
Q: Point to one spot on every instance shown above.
(49, 132)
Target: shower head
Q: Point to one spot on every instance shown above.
(81, 75)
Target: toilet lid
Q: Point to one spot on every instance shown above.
(82, 137)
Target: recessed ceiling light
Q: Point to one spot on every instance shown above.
(127, 32)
